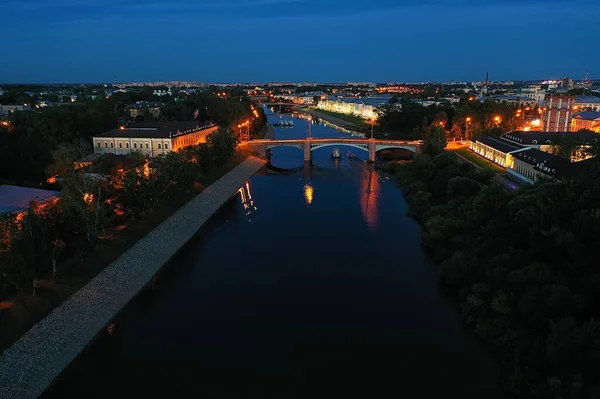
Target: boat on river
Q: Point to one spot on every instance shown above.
(283, 123)
(336, 153)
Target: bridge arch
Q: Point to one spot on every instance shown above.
(364, 147)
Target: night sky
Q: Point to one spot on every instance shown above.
(64, 41)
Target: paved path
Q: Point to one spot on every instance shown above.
(29, 366)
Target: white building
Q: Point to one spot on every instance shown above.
(534, 92)
(350, 108)
(162, 92)
(151, 138)
(586, 103)
(6, 110)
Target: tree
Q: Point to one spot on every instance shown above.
(87, 208)
(569, 146)
(435, 141)
(66, 154)
(31, 242)
(316, 100)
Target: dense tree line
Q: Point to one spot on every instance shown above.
(467, 119)
(90, 206)
(26, 145)
(524, 266)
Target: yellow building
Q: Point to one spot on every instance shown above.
(151, 138)
(589, 120)
(496, 150)
(359, 109)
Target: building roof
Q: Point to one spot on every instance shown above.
(587, 99)
(154, 130)
(499, 144)
(545, 162)
(506, 97)
(542, 138)
(16, 199)
(587, 115)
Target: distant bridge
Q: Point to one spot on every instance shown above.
(309, 145)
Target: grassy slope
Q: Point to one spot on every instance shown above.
(479, 161)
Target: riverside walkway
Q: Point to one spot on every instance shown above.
(30, 365)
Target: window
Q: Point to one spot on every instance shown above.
(98, 145)
(134, 145)
(146, 145)
(112, 145)
(120, 145)
(126, 145)
(105, 144)
(534, 142)
(159, 146)
(166, 146)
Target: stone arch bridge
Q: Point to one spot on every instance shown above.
(309, 145)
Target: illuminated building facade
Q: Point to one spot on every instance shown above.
(151, 138)
(589, 120)
(559, 110)
(587, 103)
(496, 150)
(359, 109)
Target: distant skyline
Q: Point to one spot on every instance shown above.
(217, 41)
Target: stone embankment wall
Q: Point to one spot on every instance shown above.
(30, 365)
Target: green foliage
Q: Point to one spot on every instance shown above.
(434, 141)
(37, 138)
(524, 267)
(90, 204)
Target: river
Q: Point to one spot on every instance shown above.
(311, 284)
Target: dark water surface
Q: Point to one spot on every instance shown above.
(303, 285)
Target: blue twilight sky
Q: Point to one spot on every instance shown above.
(297, 40)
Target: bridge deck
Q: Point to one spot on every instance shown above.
(341, 141)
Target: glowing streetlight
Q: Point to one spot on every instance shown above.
(468, 120)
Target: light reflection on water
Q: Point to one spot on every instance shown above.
(308, 193)
(246, 199)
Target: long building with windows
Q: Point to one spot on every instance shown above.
(589, 120)
(529, 155)
(151, 138)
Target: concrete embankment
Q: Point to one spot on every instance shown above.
(30, 365)
(270, 135)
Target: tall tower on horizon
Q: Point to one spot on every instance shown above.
(484, 89)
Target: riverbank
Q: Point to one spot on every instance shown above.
(355, 123)
(521, 288)
(270, 134)
(31, 363)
